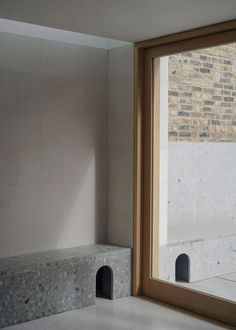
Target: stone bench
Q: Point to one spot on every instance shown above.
(41, 284)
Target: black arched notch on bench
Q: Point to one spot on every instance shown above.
(182, 268)
(104, 282)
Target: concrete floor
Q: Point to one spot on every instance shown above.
(223, 286)
(123, 314)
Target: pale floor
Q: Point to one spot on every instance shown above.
(223, 286)
(123, 314)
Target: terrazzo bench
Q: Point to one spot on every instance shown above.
(41, 284)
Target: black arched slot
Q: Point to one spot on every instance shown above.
(104, 283)
(182, 268)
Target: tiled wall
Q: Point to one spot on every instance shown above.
(120, 146)
(53, 145)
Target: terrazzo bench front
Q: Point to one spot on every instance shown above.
(41, 284)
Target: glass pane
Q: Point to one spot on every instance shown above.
(194, 184)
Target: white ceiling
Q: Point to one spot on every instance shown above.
(129, 20)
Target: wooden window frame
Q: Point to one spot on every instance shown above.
(143, 284)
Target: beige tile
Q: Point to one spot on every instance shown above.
(94, 198)
(96, 97)
(120, 230)
(62, 59)
(33, 237)
(52, 94)
(95, 63)
(121, 63)
(7, 165)
(29, 91)
(121, 97)
(8, 128)
(39, 165)
(52, 201)
(72, 199)
(120, 198)
(20, 128)
(84, 164)
(70, 233)
(7, 91)
(120, 164)
(120, 131)
(7, 240)
(28, 202)
(60, 129)
(78, 164)
(7, 203)
(28, 130)
(20, 53)
(95, 131)
(76, 95)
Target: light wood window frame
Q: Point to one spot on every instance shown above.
(143, 283)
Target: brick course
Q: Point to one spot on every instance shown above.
(202, 95)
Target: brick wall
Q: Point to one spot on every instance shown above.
(202, 95)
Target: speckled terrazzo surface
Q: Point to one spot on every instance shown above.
(41, 284)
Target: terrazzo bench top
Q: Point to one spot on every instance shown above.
(32, 262)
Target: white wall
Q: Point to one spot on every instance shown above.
(202, 181)
(53, 145)
(120, 146)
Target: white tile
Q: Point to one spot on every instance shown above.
(7, 165)
(7, 240)
(120, 164)
(29, 91)
(39, 165)
(121, 96)
(121, 63)
(120, 131)
(52, 94)
(60, 129)
(95, 131)
(120, 198)
(7, 91)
